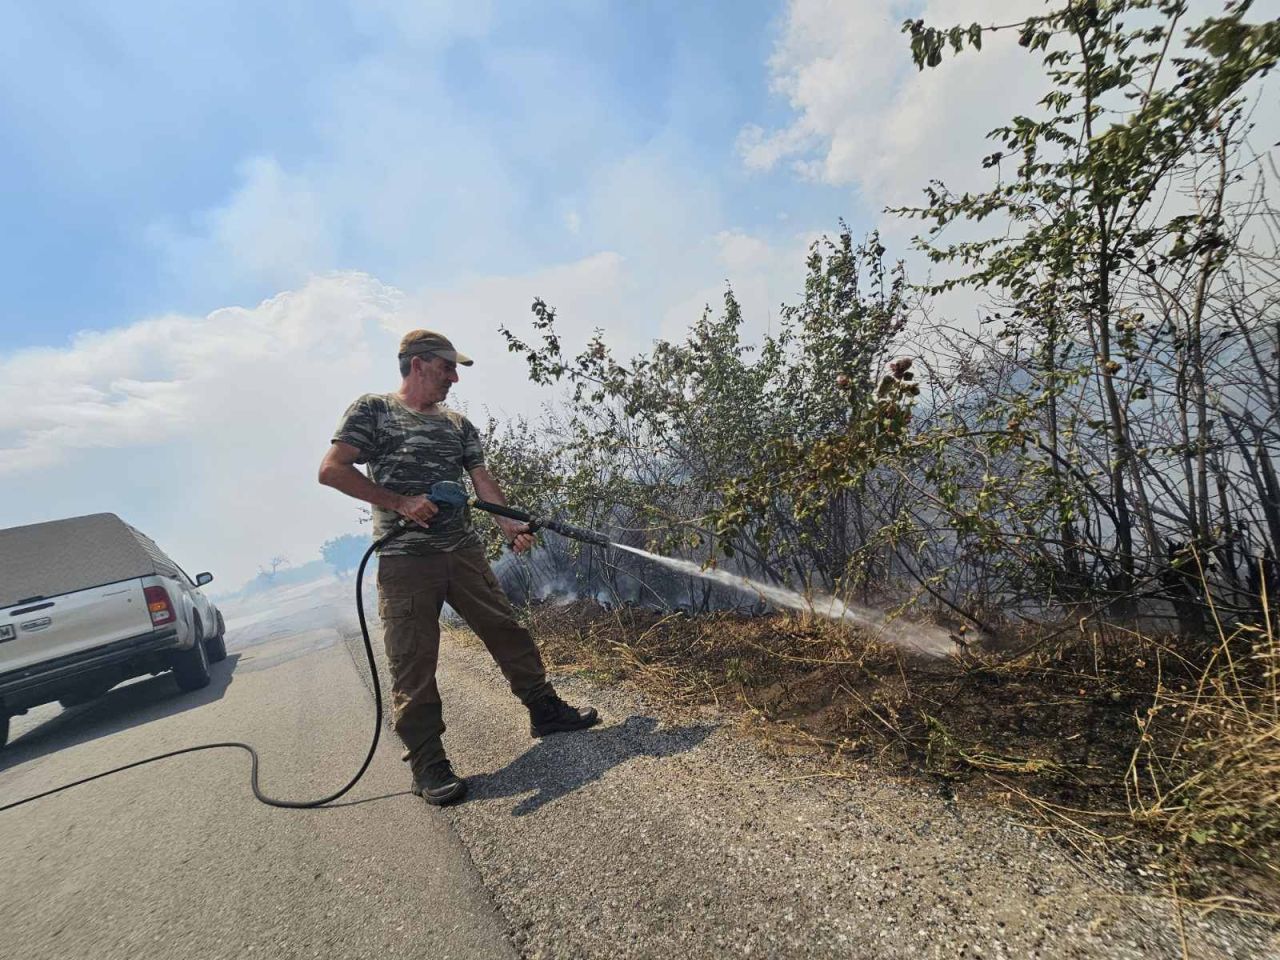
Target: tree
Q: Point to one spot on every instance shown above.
(344, 553)
(712, 447)
(1113, 232)
(275, 563)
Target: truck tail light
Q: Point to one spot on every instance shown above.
(160, 605)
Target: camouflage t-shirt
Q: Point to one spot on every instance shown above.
(406, 452)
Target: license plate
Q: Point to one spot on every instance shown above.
(7, 632)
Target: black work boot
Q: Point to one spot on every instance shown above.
(550, 714)
(438, 784)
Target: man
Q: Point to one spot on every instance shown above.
(409, 442)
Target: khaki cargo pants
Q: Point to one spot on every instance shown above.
(411, 592)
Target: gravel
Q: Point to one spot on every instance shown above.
(659, 835)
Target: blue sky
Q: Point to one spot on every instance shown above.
(220, 217)
(128, 123)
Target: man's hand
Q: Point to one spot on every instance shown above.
(517, 534)
(420, 509)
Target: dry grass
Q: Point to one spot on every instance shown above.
(1206, 772)
(1160, 750)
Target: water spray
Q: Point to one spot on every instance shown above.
(936, 641)
(922, 638)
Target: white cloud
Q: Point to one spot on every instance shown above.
(207, 431)
(402, 174)
(425, 25)
(148, 382)
(762, 275)
(585, 294)
(274, 229)
(221, 419)
(741, 251)
(761, 150)
(866, 117)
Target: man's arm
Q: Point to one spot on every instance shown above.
(338, 470)
(487, 488)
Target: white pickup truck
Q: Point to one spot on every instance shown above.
(88, 602)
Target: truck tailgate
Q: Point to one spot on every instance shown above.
(70, 623)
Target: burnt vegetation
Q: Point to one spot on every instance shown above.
(1082, 485)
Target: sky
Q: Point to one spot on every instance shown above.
(219, 217)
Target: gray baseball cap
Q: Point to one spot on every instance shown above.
(417, 342)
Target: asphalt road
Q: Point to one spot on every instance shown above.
(654, 835)
(178, 859)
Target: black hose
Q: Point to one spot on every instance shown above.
(253, 754)
(502, 510)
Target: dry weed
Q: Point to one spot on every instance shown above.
(1206, 771)
(1114, 741)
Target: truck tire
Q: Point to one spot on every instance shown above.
(216, 646)
(191, 667)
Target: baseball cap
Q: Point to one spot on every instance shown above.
(428, 341)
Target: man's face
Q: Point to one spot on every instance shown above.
(438, 375)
